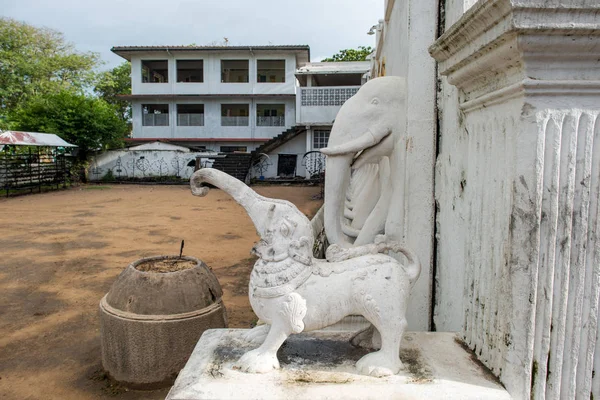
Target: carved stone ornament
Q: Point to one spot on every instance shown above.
(293, 292)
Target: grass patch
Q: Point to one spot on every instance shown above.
(97, 187)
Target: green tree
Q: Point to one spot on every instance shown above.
(35, 61)
(112, 83)
(89, 122)
(359, 54)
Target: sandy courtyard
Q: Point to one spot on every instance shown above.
(61, 251)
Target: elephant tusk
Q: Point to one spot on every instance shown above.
(374, 154)
(362, 142)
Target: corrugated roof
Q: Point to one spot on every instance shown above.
(125, 51)
(165, 48)
(18, 138)
(195, 96)
(342, 67)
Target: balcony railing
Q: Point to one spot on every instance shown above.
(319, 104)
(234, 121)
(156, 119)
(190, 119)
(270, 121)
(326, 96)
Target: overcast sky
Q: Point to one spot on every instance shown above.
(325, 25)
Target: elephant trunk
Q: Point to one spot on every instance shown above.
(257, 206)
(337, 180)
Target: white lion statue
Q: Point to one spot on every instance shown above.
(293, 292)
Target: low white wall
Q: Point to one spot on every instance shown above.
(145, 163)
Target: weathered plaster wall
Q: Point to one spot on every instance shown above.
(408, 28)
(517, 186)
(450, 183)
(143, 163)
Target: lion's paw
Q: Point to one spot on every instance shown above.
(258, 362)
(379, 364)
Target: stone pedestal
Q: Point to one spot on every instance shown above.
(320, 365)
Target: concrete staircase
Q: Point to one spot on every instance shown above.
(238, 164)
(235, 164)
(277, 141)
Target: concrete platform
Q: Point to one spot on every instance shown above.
(321, 366)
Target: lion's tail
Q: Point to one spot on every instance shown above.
(413, 269)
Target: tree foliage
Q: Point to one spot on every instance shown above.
(359, 54)
(36, 61)
(86, 121)
(115, 82)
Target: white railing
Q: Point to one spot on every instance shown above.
(156, 119)
(190, 119)
(320, 104)
(270, 121)
(234, 121)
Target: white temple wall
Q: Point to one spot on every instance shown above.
(517, 185)
(404, 35)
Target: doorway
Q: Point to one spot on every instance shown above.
(286, 165)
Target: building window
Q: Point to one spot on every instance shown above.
(190, 114)
(234, 149)
(270, 71)
(320, 139)
(234, 114)
(155, 71)
(270, 115)
(234, 71)
(190, 71)
(155, 114)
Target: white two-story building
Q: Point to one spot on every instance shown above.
(228, 98)
(267, 99)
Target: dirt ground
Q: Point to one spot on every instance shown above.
(61, 251)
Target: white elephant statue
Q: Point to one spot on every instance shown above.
(367, 138)
(293, 292)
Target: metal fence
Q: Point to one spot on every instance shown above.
(33, 172)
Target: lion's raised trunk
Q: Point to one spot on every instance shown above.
(257, 206)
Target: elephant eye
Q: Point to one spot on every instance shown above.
(285, 230)
(375, 101)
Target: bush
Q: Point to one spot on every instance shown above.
(108, 177)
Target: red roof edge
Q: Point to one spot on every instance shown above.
(197, 139)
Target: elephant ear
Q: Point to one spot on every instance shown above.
(301, 250)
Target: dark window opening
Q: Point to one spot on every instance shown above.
(270, 115)
(286, 165)
(155, 71)
(155, 114)
(190, 71)
(235, 114)
(190, 114)
(270, 71)
(234, 71)
(234, 149)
